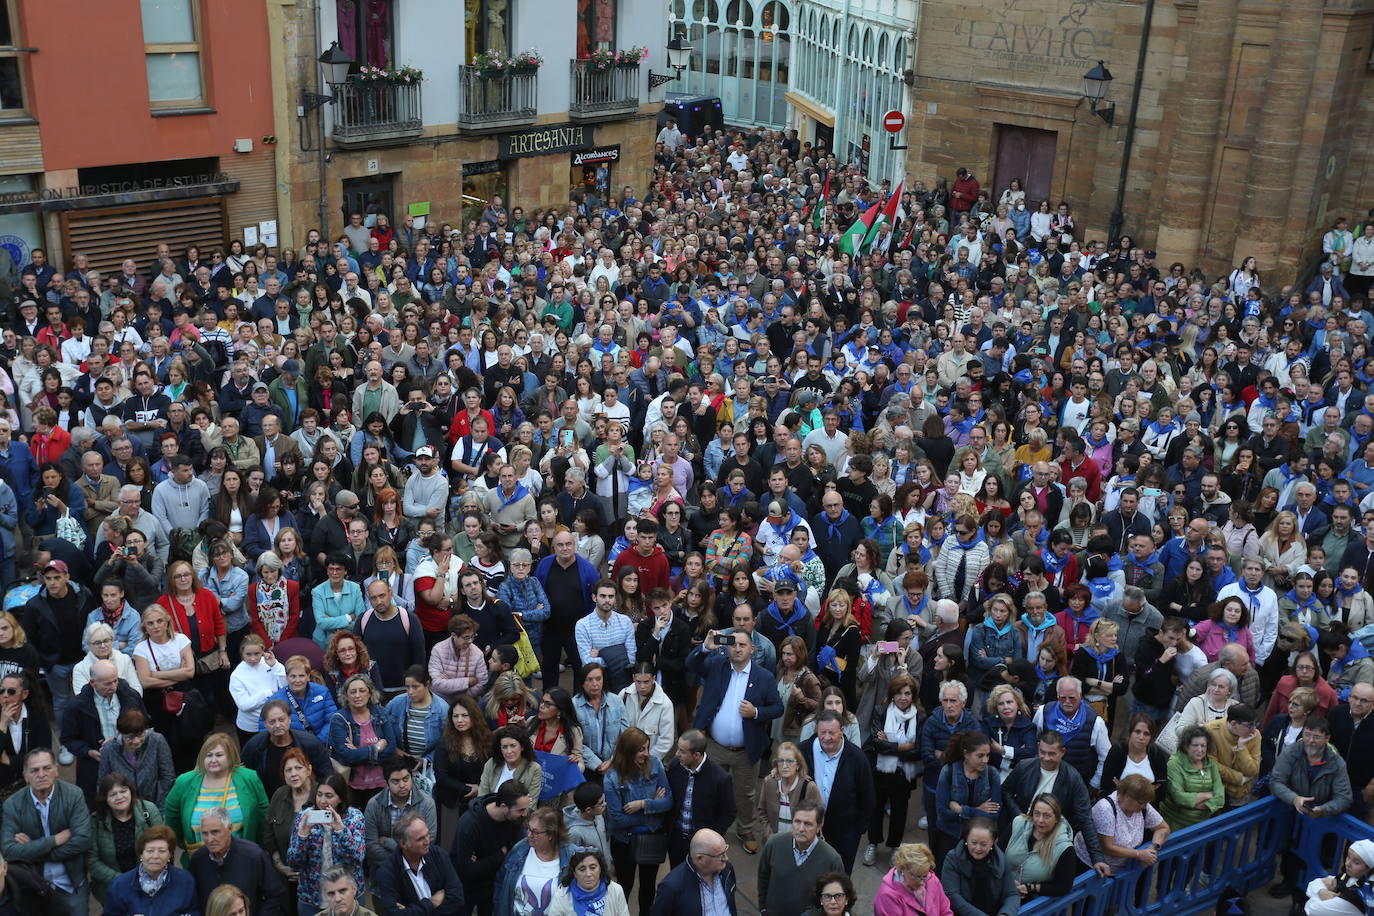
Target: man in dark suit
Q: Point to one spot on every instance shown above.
(89, 720)
(227, 859)
(1049, 499)
(702, 795)
(738, 701)
(707, 873)
(1352, 735)
(411, 869)
(841, 771)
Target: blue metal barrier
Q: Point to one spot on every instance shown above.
(1320, 855)
(1236, 849)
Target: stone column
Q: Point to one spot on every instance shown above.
(1278, 139)
(1193, 151)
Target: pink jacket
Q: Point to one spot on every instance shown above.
(452, 676)
(894, 899)
(1212, 638)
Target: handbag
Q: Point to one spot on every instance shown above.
(526, 662)
(70, 530)
(646, 848)
(209, 662)
(173, 701)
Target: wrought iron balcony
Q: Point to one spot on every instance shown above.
(495, 100)
(369, 113)
(603, 94)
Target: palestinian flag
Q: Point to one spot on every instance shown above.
(887, 217)
(853, 239)
(821, 206)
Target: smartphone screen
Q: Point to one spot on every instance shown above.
(888, 645)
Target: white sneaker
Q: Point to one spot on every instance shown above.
(870, 854)
(923, 823)
(65, 758)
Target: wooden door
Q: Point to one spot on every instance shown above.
(1027, 154)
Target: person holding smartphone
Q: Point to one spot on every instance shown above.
(330, 816)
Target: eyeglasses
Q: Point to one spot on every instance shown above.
(834, 898)
(723, 855)
(9, 691)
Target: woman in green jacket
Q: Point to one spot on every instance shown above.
(218, 781)
(1195, 791)
(119, 817)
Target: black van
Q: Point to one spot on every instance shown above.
(692, 112)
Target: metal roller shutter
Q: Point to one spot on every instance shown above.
(111, 234)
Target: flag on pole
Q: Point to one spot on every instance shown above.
(854, 236)
(819, 208)
(887, 217)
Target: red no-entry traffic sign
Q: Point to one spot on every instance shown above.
(894, 121)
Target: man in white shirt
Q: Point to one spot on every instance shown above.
(1262, 602)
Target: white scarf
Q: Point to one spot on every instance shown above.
(900, 728)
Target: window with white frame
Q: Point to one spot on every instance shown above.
(12, 98)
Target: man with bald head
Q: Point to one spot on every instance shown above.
(568, 580)
(1049, 499)
(91, 718)
(1352, 735)
(704, 884)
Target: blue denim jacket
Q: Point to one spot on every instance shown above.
(399, 708)
(600, 731)
(620, 792)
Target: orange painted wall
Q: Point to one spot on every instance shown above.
(89, 87)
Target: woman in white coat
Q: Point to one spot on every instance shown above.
(648, 709)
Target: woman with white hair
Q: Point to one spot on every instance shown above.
(1212, 704)
(100, 640)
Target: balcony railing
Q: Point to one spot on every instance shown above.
(603, 94)
(371, 113)
(495, 101)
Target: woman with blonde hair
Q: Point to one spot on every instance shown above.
(219, 780)
(227, 900)
(1099, 665)
(1009, 727)
(788, 783)
(971, 472)
(838, 646)
(1283, 549)
(1040, 850)
(911, 885)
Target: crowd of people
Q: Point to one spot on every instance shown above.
(524, 565)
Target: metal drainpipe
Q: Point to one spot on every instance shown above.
(1118, 216)
(319, 127)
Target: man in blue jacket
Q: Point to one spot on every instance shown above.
(707, 873)
(738, 701)
(936, 731)
(568, 580)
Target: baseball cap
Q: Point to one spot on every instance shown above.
(784, 585)
(291, 367)
(259, 386)
(775, 509)
(59, 565)
(425, 451)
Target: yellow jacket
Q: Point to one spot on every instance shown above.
(1239, 764)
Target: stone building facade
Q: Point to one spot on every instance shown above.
(530, 139)
(1251, 133)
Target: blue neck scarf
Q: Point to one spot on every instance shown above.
(1347, 593)
(788, 624)
(1310, 604)
(955, 544)
(1095, 444)
(1054, 565)
(520, 492)
(914, 610)
(1103, 659)
(1068, 727)
(588, 903)
(1000, 631)
(1145, 564)
(1090, 615)
(1252, 595)
(833, 528)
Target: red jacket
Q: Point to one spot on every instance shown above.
(965, 194)
(49, 447)
(654, 571)
(1089, 470)
(208, 619)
